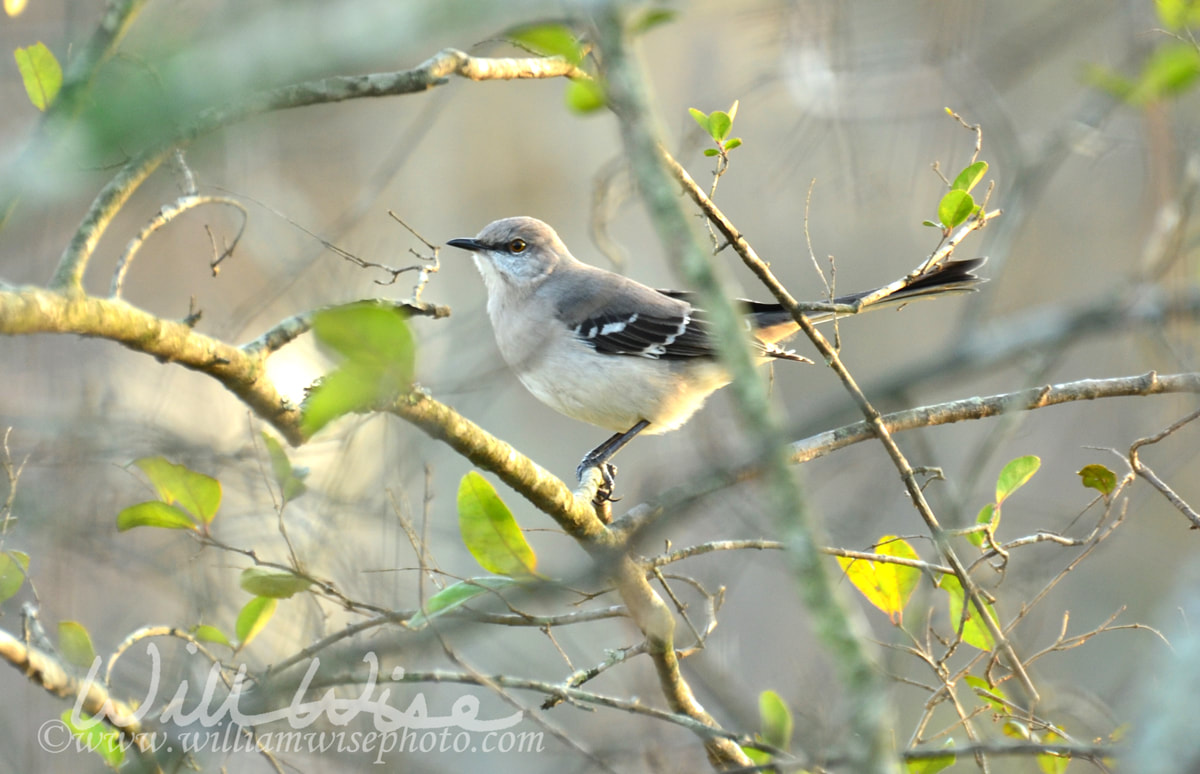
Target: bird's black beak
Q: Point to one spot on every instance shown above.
(473, 245)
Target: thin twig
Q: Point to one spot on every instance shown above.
(576, 679)
(627, 95)
(634, 706)
(166, 214)
(1149, 475)
(283, 333)
(433, 72)
(13, 474)
(423, 271)
(873, 418)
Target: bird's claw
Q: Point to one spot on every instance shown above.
(608, 480)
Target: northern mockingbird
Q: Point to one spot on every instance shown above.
(604, 349)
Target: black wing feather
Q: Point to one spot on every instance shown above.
(651, 336)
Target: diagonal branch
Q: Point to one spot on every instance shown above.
(873, 417)
(165, 215)
(53, 676)
(1152, 478)
(628, 100)
(573, 512)
(35, 310)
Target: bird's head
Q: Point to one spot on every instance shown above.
(517, 251)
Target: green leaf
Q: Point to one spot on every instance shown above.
(76, 644)
(1052, 763)
(367, 331)
(974, 632)
(931, 224)
(584, 96)
(272, 582)
(378, 350)
(1098, 477)
(775, 720)
(1170, 70)
(97, 738)
(986, 516)
(154, 513)
(549, 40)
(649, 18)
(290, 480)
(701, 118)
(955, 208)
(14, 566)
(253, 619)
(719, 124)
(206, 633)
(1015, 475)
(347, 390)
(1177, 15)
(733, 143)
(758, 757)
(932, 765)
(456, 596)
(40, 72)
(887, 586)
(1107, 80)
(489, 530)
(993, 695)
(711, 152)
(970, 177)
(196, 493)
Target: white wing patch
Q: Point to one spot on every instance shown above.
(613, 328)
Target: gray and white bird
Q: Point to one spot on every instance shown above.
(607, 350)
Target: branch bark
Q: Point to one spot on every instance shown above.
(48, 672)
(433, 72)
(36, 310)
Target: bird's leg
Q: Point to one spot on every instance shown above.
(600, 456)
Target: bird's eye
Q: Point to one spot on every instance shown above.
(517, 246)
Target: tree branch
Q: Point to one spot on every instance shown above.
(627, 99)
(573, 511)
(873, 417)
(77, 78)
(576, 695)
(1152, 478)
(285, 332)
(433, 72)
(48, 672)
(1085, 751)
(165, 215)
(995, 405)
(35, 310)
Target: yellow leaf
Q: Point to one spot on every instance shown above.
(886, 585)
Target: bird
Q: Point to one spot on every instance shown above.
(607, 350)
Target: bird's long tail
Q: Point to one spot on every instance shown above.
(952, 277)
(947, 278)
